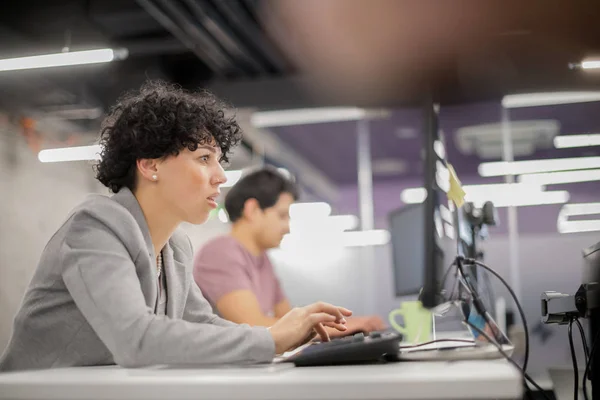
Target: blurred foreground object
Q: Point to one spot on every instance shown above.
(373, 49)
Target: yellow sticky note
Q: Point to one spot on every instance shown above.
(456, 192)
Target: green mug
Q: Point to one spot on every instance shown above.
(418, 322)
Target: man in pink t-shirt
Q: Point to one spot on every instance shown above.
(234, 271)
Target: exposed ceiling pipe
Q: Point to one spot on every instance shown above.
(154, 46)
(252, 6)
(199, 35)
(217, 27)
(172, 27)
(248, 29)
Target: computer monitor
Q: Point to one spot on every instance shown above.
(406, 226)
(440, 244)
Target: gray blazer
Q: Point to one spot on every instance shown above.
(92, 298)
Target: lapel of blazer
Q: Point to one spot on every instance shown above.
(175, 273)
(148, 273)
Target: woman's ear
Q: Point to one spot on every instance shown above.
(148, 168)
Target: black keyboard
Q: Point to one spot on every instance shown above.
(355, 349)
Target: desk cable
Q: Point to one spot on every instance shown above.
(477, 300)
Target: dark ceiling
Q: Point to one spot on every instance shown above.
(189, 42)
(474, 50)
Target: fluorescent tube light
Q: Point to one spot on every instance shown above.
(565, 226)
(81, 153)
(581, 209)
(318, 210)
(266, 119)
(78, 153)
(546, 99)
(537, 199)
(590, 64)
(561, 177)
(569, 141)
(501, 168)
(413, 195)
(418, 195)
(63, 59)
(502, 195)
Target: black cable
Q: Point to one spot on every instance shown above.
(583, 340)
(574, 358)
(521, 313)
(587, 355)
(447, 273)
(525, 375)
(589, 362)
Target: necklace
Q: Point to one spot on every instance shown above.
(159, 263)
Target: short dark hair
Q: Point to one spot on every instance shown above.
(264, 185)
(158, 121)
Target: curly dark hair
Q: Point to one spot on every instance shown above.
(158, 121)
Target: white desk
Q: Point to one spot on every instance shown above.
(405, 380)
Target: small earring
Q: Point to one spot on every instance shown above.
(154, 177)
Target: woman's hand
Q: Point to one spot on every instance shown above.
(301, 324)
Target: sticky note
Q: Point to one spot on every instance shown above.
(456, 192)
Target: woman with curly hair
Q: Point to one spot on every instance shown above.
(114, 283)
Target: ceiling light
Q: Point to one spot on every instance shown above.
(418, 195)
(413, 195)
(590, 63)
(502, 195)
(537, 199)
(266, 119)
(546, 99)
(501, 168)
(73, 113)
(78, 153)
(568, 141)
(309, 210)
(82, 153)
(565, 226)
(63, 59)
(561, 177)
(581, 209)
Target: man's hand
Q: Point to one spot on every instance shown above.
(361, 324)
(301, 324)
